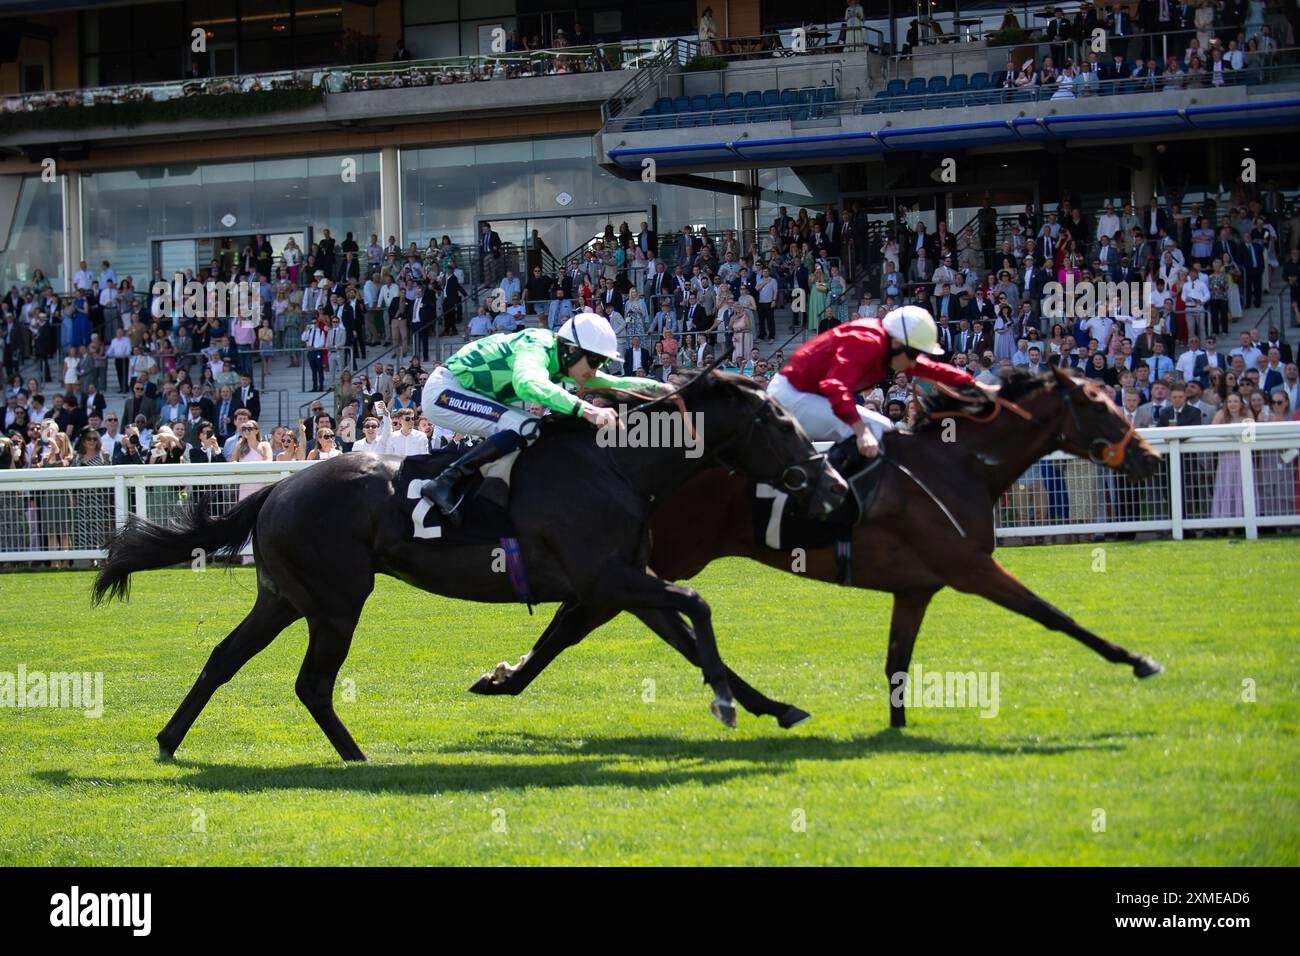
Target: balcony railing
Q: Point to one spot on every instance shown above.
(807, 105)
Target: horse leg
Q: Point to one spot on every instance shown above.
(270, 615)
(572, 622)
(683, 641)
(634, 589)
(904, 624)
(990, 580)
(327, 648)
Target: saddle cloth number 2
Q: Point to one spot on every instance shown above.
(421, 510)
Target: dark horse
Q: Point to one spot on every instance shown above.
(581, 514)
(905, 545)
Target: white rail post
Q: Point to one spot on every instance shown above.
(121, 501)
(1249, 504)
(1176, 487)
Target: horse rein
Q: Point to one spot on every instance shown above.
(795, 478)
(1100, 451)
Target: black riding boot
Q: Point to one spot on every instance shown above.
(442, 490)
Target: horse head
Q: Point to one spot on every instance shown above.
(1094, 427)
(750, 432)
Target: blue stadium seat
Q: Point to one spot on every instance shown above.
(753, 99)
(807, 94)
(699, 103)
(937, 84)
(648, 111)
(771, 97)
(826, 94)
(958, 84)
(664, 105)
(895, 88)
(682, 104)
(980, 81)
(717, 101)
(916, 86)
(885, 94)
(735, 101)
(789, 97)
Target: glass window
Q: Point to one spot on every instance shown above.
(431, 11)
(36, 235)
(428, 42)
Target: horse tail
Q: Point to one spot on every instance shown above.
(141, 545)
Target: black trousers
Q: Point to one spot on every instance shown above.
(766, 320)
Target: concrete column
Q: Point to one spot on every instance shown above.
(749, 209)
(1144, 179)
(390, 195)
(74, 246)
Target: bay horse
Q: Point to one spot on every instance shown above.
(905, 545)
(581, 514)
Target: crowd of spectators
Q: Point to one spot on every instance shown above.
(185, 392)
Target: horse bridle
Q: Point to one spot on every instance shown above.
(795, 478)
(1110, 454)
(1100, 451)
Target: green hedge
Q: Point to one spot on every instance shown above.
(214, 107)
(699, 64)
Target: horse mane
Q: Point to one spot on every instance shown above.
(1016, 383)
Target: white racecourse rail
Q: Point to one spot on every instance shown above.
(1212, 476)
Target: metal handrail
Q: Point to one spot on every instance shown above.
(952, 50)
(990, 96)
(648, 74)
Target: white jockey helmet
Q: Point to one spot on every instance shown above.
(914, 327)
(591, 333)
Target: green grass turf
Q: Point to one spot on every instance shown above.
(581, 769)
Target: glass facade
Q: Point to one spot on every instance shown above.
(152, 42)
(125, 211)
(435, 28)
(35, 238)
(446, 190)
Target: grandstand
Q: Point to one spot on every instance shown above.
(471, 153)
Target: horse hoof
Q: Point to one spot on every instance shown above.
(485, 685)
(793, 717)
(166, 754)
(1147, 668)
(725, 711)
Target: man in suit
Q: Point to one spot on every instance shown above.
(636, 360)
(1252, 267)
(352, 316)
(424, 317)
(1154, 218)
(490, 249)
(647, 240)
(325, 260)
(658, 287)
(1058, 34)
(349, 268)
(223, 418)
(1226, 249)
(1085, 21)
(246, 396)
(139, 404)
(1147, 415)
(1291, 386)
(610, 298)
(1033, 281)
(1066, 359)
(92, 401)
(1178, 411)
(1121, 32)
(1036, 364)
(946, 306)
(1275, 341)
